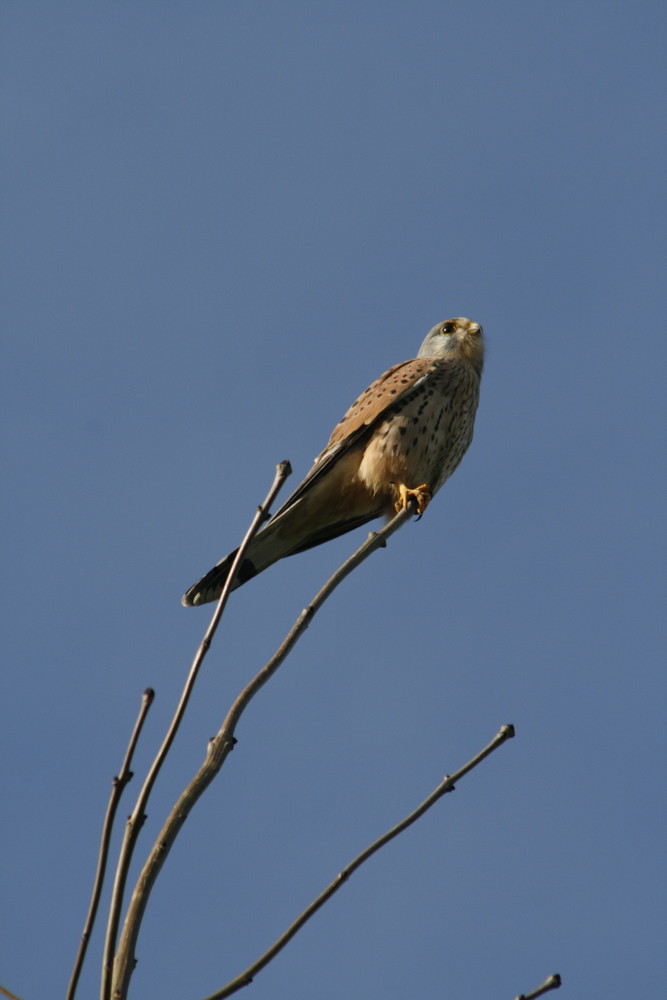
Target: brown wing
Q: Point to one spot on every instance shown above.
(361, 418)
(382, 393)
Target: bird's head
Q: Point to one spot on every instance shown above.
(455, 339)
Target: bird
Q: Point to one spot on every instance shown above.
(398, 443)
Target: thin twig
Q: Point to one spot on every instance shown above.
(446, 785)
(136, 820)
(6, 993)
(117, 786)
(218, 750)
(550, 983)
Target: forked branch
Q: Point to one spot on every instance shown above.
(218, 750)
(117, 787)
(136, 820)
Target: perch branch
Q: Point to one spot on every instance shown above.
(117, 787)
(136, 820)
(218, 750)
(446, 785)
(550, 983)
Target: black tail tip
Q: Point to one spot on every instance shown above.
(210, 586)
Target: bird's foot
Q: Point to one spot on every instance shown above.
(420, 494)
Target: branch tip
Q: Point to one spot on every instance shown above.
(550, 983)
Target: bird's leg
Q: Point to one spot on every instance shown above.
(403, 495)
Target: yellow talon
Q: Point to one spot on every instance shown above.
(421, 494)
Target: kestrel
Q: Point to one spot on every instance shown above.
(400, 441)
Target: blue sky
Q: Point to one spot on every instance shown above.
(221, 222)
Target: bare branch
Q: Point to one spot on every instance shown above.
(6, 993)
(218, 750)
(446, 785)
(117, 788)
(550, 983)
(136, 820)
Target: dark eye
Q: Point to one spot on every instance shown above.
(448, 327)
